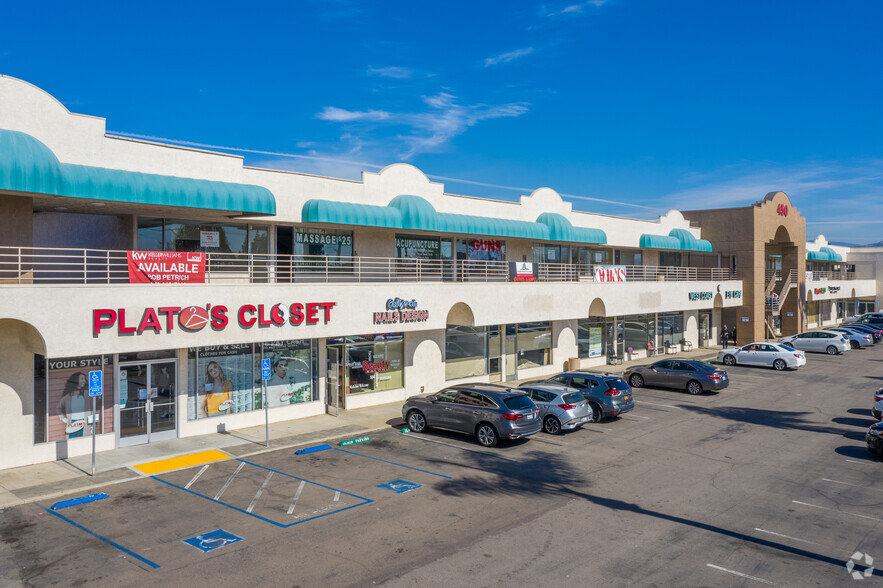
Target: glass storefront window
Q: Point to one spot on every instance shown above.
(324, 243)
(670, 327)
(417, 247)
(67, 406)
(466, 351)
(639, 333)
(155, 234)
(481, 250)
(40, 407)
(627, 257)
(590, 337)
(670, 259)
(374, 362)
(534, 344)
(812, 312)
(226, 379)
(551, 254)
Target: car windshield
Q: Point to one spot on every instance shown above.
(618, 384)
(572, 397)
(786, 347)
(520, 402)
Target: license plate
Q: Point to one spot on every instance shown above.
(529, 417)
(626, 397)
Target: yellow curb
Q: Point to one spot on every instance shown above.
(182, 461)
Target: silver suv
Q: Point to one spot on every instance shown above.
(488, 411)
(561, 407)
(608, 394)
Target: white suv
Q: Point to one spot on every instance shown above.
(830, 342)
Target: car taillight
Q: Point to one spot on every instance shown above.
(566, 406)
(611, 392)
(715, 376)
(512, 417)
(797, 355)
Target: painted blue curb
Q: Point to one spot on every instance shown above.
(312, 449)
(80, 500)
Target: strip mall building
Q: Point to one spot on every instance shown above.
(312, 294)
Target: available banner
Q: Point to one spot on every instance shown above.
(166, 267)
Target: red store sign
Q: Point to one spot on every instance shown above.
(782, 210)
(165, 267)
(484, 245)
(194, 318)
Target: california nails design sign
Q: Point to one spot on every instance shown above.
(189, 319)
(400, 311)
(166, 267)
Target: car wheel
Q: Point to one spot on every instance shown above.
(729, 360)
(831, 350)
(487, 435)
(597, 413)
(877, 414)
(854, 344)
(780, 364)
(416, 421)
(636, 381)
(551, 425)
(694, 387)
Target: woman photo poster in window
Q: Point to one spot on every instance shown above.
(224, 380)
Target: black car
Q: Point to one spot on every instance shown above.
(693, 376)
(875, 319)
(875, 439)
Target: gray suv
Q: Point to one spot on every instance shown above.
(488, 411)
(608, 394)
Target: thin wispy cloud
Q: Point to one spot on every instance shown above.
(391, 71)
(333, 114)
(574, 9)
(507, 57)
(431, 129)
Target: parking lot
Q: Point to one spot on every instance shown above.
(767, 482)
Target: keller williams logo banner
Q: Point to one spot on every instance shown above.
(166, 267)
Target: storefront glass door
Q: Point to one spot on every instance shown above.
(511, 363)
(334, 397)
(147, 401)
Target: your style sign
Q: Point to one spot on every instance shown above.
(163, 319)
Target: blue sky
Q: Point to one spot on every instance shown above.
(626, 107)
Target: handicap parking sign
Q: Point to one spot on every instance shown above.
(399, 486)
(265, 369)
(95, 380)
(212, 540)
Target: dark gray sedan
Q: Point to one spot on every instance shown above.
(693, 376)
(488, 411)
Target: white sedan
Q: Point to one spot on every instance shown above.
(777, 355)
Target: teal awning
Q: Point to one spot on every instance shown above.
(824, 254)
(27, 165)
(659, 242)
(688, 242)
(415, 213)
(560, 229)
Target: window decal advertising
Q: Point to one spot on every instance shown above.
(224, 380)
(166, 267)
(70, 408)
(522, 271)
(290, 379)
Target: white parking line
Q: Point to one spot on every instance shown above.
(458, 447)
(746, 576)
(538, 438)
(260, 491)
(785, 536)
(337, 496)
(199, 473)
(853, 461)
(226, 484)
(636, 416)
(654, 404)
(848, 484)
(296, 496)
(840, 511)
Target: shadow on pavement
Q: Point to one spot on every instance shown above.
(776, 419)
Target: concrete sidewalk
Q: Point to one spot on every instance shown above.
(48, 481)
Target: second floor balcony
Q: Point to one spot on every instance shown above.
(35, 266)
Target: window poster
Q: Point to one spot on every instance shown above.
(224, 380)
(290, 381)
(68, 401)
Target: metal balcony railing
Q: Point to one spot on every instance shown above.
(36, 265)
(815, 276)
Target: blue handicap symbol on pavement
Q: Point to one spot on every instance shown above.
(399, 486)
(212, 540)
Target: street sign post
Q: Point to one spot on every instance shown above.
(265, 375)
(96, 387)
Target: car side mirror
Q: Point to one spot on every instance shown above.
(432, 399)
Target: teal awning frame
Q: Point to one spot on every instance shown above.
(28, 165)
(414, 213)
(824, 254)
(688, 242)
(650, 241)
